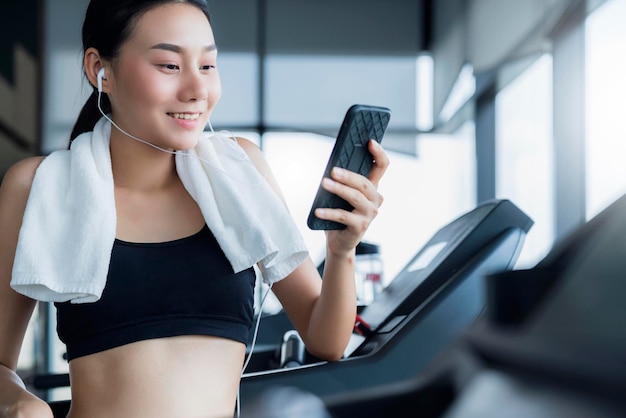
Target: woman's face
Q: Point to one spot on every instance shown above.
(165, 83)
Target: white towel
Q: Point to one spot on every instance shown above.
(69, 224)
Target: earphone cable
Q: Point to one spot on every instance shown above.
(176, 152)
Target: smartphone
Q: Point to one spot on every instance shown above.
(360, 124)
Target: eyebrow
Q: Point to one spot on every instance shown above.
(178, 49)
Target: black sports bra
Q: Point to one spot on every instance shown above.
(155, 290)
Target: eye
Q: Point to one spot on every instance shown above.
(169, 67)
(207, 67)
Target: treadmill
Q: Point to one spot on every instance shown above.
(433, 299)
(552, 342)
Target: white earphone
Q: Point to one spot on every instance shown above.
(100, 76)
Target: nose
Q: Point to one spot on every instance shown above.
(195, 86)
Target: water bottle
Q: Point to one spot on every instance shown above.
(368, 272)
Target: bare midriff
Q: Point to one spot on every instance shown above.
(188, 376)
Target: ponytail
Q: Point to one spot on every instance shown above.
(90, 114)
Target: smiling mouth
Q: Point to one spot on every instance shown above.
(186, 116)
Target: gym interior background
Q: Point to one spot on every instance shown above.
(519, 100)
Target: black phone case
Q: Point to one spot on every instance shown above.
(361, 123)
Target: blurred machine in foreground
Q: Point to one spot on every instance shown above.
(551, 344)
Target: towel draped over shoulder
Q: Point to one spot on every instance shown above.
(67, 233)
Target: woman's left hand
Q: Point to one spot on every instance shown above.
(362, 193)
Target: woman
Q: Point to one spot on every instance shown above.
(160, 83)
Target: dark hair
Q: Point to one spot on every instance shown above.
(107, 25)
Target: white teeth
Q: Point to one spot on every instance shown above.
(189, 116)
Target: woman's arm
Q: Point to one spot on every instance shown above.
(324, 311)
(16, 309)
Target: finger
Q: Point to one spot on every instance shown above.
(381, 161)
(355, 186)
(352, 220)
(361, 194)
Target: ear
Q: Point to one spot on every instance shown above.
(93, 63)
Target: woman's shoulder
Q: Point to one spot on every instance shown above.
(247, 145)
(23, 171)
(255, 154)
(18, 179)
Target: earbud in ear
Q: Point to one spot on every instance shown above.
(100, 77)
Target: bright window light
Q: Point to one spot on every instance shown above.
(605, 92)
(424, 92)
(462, 90)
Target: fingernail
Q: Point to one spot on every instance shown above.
(338, 171)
